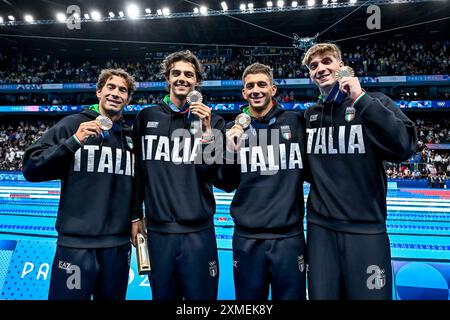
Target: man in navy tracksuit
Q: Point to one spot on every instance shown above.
(95, 167)
(175, 170)
(265, 165)
(350, 134)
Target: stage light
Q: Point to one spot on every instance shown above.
(294, 4)
(224, 6)
(96, 16)
(250, 6)
(121, 14)
(86, 16)
(204, 10)
(61, 17)
(11, 18)
(196, 11)
(269, 4)
(311, 3)
(242, 7)
(111, 14)
(352, 1)
(280, 3)
(324, 2)
(148, 11)
(1, 20)
(28, 18)
(159, 12)
(165, 11)
(132, 11)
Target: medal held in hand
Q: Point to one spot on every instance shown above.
(104, 122)
(335, 94)
(345, 71)
(143, 257)
(243, 120)
(194, 96)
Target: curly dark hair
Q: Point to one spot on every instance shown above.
(106, 74)
(186, 56)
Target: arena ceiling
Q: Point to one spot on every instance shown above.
(265, 29)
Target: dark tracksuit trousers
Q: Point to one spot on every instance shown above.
(276, 263)
(347, 265)
(184, 265)
(79, 274)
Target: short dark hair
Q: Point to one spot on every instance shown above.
(106, 74)
(186, 56)
(256, 68)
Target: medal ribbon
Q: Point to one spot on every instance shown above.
(174, 108)
(335, 95)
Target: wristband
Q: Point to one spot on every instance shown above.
(77, 139)
(207, 138)
(358, 98)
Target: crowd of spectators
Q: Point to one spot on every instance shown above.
(372, 59)
(433, 131)
(428, 162)
(15, 138)
(436, 172)
(400, 58)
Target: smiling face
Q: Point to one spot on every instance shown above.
(321, 67)
(113, 96)
(258, 91)
(182, 79)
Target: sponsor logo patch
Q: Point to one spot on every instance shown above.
(152, 124)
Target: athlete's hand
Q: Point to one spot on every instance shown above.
(351, 86)
(233, 137)
(204, 113)
(88, 129)
(138, 227)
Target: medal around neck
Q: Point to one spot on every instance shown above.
(194, 96)
(345, 71)
(243, 120)
(104, 122)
